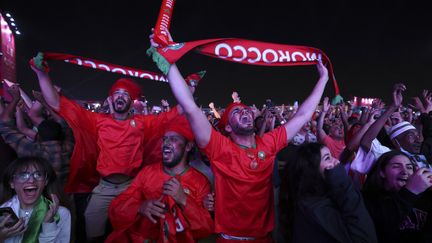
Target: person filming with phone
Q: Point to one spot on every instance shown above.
(31, 210)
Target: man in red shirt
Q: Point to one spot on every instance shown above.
(164, 203)
(112, 143)
(335, 138)
(242, 162)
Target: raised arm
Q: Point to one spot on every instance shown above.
(374, 129)
(308, 107)
(198, 121)
(344, 117)
(320, 130)
(39, 97)
(264, 124)
(49, 92)
(215, 112)
(8, 111)
(22, 126)
(354, 142)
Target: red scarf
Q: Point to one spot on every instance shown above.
(231, 49)
(243, 51)
(114, 68)
(164, 22)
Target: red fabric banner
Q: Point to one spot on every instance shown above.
(163, 22)
(243, 51)
(114, 68)
(232, 49)
(101, 65)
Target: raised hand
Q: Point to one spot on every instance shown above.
(211, 105)
(417, 104)
(235, 97)
(397, 94)
(427, 99)
(373, 115)
(419, 181)
(52, 210)
(110, 105)
(255, 111)
(164, 103)
(322, 70)
(153, 42)
(326, 104)
(38, 65)
(378, 104)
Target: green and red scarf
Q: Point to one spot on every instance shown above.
(34, 225)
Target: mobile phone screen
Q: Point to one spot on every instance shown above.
(13, 219)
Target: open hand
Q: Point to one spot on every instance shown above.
(52, 210)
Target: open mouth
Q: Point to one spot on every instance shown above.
(402, 181)
(30, 191)
(166, 152)
(246, 120)
(120, 102)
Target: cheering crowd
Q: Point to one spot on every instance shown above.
(313, 172)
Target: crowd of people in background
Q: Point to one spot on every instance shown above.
(312, 171)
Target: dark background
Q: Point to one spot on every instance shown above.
(372, 45)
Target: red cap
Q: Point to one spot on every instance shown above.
(224, 119)
(181, 126)
(127, 84)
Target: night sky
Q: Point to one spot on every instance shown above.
(372, 45)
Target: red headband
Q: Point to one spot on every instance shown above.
(225, 116)
(127, 84)
(181, 126)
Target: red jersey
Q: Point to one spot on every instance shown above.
(131, 226)
(335, 146)
(243, 183)
(117, 145)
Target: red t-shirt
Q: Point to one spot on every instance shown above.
(335, 146)
(120, 142)
(131, 226)
(243, 183)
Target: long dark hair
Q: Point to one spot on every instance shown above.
(24, 163)
(301, 179)
(374, 182)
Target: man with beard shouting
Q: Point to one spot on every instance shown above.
(242, 162)
(164, 203)
(119, 139)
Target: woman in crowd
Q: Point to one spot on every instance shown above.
(28, 184)
(319, 202)
(398, 199)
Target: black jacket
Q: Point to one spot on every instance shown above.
(341, 216)
(401, 216)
